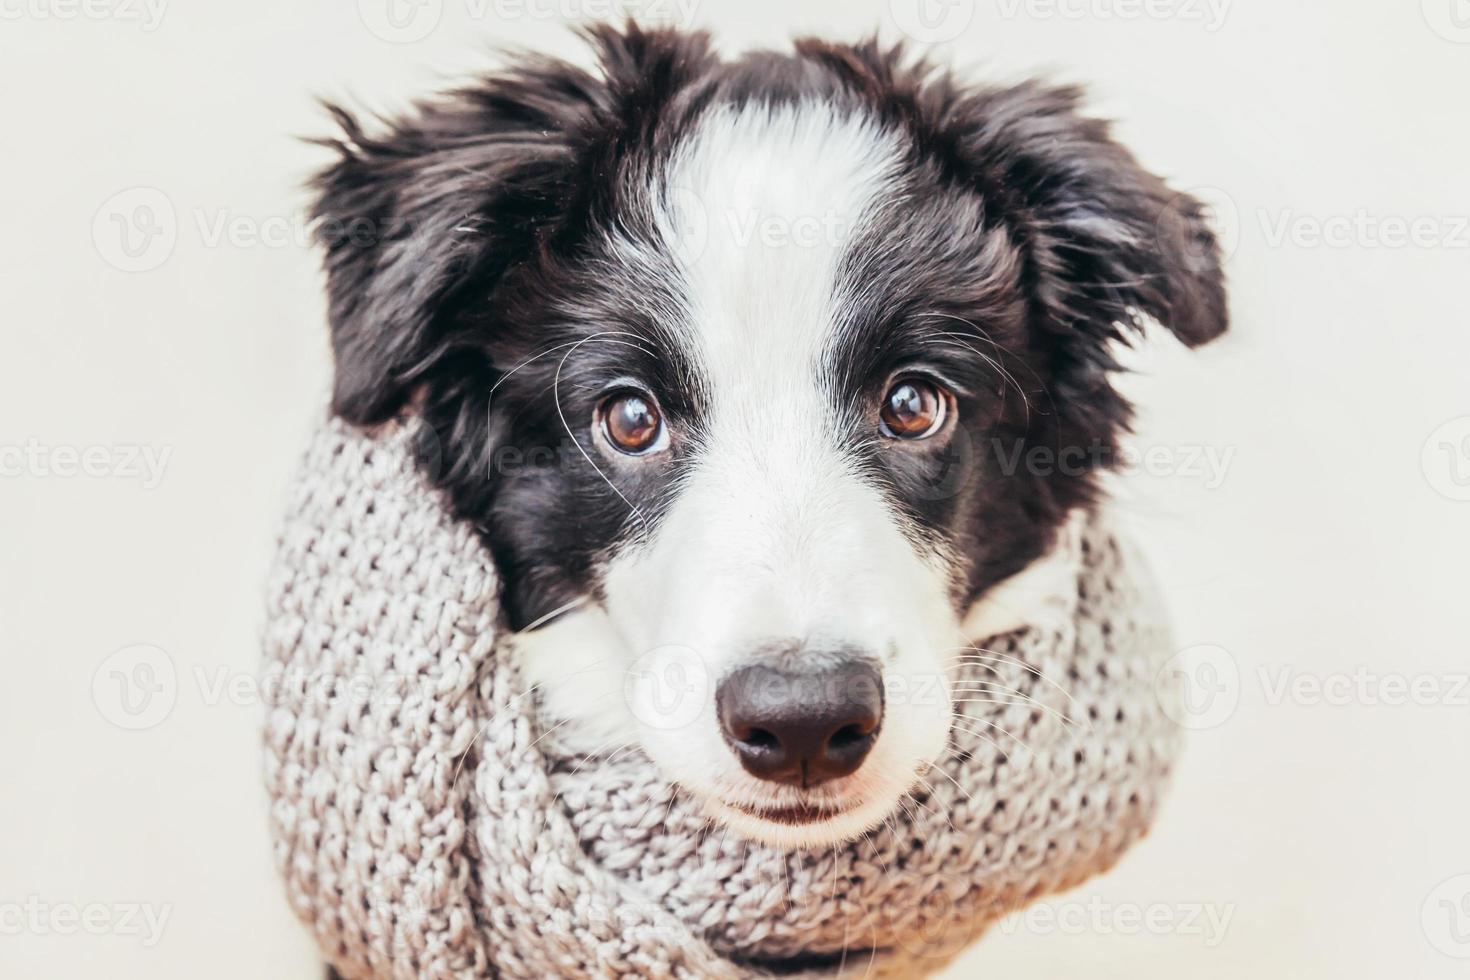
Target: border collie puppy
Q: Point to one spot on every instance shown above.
(735, 365)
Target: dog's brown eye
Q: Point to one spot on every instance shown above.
(631, 422)
(913, 409)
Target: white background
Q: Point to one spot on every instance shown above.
(1329, 834)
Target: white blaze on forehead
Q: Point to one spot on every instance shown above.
(765, 205)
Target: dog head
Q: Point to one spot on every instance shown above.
(743, 361)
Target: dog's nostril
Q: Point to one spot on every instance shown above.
(801, 725)
(761, 739)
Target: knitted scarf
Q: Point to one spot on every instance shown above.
(427, 825)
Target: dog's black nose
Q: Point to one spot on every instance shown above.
(801, 726)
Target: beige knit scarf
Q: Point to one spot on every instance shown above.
(427, 826)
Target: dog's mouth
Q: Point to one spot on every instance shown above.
(791, 816)
(816, 962)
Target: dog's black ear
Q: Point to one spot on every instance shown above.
(404, 217)
(1106, 241)
(407, 215)
(421, 219)
(1109, 239)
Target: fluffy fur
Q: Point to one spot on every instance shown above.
(762, 244)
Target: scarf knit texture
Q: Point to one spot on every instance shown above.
(428, 825)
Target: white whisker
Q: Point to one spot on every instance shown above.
(555, 383)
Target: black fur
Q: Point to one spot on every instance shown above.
(463, 240)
